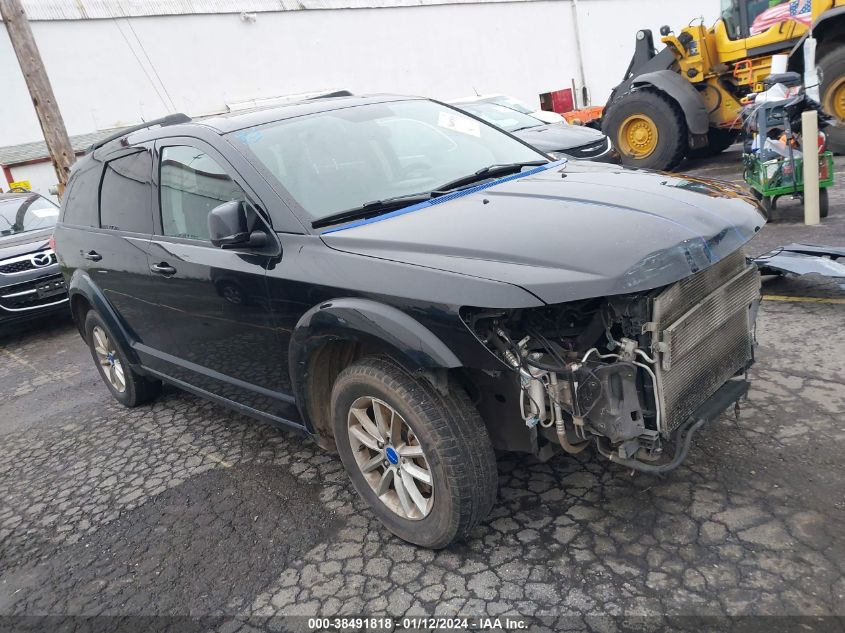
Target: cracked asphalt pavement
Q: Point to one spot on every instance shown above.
(183, 508)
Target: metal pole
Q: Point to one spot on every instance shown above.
(582, 82)
(810, 134)
(38, 84)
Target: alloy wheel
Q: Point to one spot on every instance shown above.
(391, 458)
(108, 359)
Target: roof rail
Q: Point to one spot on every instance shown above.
(170, 119)
(329, 95)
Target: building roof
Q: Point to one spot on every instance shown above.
(28, 152)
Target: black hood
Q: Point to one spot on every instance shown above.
(558, 137)
(572, 232)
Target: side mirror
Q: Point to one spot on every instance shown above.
(232, 225)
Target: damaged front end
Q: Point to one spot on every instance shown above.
(635, 375)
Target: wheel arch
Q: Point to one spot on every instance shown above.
(84, 295)
(681, 92)
(333, 335)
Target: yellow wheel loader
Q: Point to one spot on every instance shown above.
(685, 99)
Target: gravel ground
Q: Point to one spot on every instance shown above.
(184, 509)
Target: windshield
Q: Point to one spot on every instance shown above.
(342, 159)
(730, 14)
(513, 104)
(760, 15)
(501, 116)
(20, 214)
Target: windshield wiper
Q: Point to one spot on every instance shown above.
(371, 209)
(377, 207)
(487, 172)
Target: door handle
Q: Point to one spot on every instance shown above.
(94, 256)
(163, 269)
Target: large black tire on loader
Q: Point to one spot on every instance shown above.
(648, 129)
(832, 71)
(719, 140)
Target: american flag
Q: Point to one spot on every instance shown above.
(798, 10)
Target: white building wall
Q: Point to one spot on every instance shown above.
(111, 72)
(608, 29)
(41, 177)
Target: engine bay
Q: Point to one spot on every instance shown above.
(629, 373)
(581, 368)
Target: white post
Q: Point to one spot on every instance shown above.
(810, 134)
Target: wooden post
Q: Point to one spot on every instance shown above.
(810, 134)
(35, 75)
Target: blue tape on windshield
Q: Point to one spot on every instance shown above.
(446, 198)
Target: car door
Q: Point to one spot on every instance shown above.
(214, 304)
(113, 250)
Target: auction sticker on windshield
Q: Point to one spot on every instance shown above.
(459, 123)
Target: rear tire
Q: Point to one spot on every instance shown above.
(449, 438)
(832, 67)
(664, 152)
(824, 204)
(127, 386)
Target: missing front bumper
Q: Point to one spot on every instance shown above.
(729, 393)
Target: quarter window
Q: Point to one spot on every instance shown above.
(80, 201)
(191, 185)
(125, 194)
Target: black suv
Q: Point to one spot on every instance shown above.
(31, 284)
(414, 287)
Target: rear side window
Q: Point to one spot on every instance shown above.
(126, 194)
(192, 184)
(79, 205)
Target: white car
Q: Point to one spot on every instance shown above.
(514, 104)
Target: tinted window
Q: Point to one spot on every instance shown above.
(19, 214)
(80, 201)
(192, 184)
(125, 194)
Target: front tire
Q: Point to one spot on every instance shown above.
(422, 460)
(127, 386)
(648, 129)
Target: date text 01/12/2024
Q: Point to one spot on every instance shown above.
(416, 623)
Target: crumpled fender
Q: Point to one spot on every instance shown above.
(682, 91)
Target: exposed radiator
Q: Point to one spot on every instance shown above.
(703, 335)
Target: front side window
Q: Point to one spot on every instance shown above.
(341, 159)
(191, 185)
(126, 193)
(19, 214)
